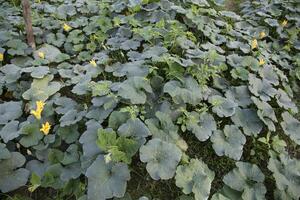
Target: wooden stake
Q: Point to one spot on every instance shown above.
(28, 23)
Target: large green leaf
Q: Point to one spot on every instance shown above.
(261, 88)
(120, 149)
(164, 129)
(248, 120)
(11, 175)
(291, 127)
(10, 131)
(266, 113)
(195, 177)
(134, 89)
(161, 157)
(202, 125)
(42, 89)
(4, 153)
(286, 173)
(229, 142)
(248, 179)
(51, 53)
(31, 134)
(134, 128)
(9, 111)
(106, 180)
(223, 107)
(187, 91)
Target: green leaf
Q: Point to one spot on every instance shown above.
(135, 128)
(261, 88)
(10, 131)
(16, 47)
(223, 107)
(88, 138)
(31, 134)
(120, 149)
(285, 101)
(12, 73)
(51, 53)
(11, 175)
(248, 179)
(69, 134)
(202, 125)
(248, 120)
(266, 113)
(134, 89)
(291, 127)
(106, 180)
(161, 157)
(106, 139)
(42, 89)
(195, 177)
(100, 88)
(189, 91)
(286, 173)
(239, 95)
(228, 142)
(164, 129)
(10, 110)
(35, 182)
(4, 153)
(117, 118)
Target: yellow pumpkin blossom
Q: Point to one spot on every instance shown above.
(41, 54)
(284, 23)
(1, 57)
(254, 44)
(261, 61)
(40, 105)
(66, 27)
(37, 114)
(262, 35)
(39, 109)
(93, 63)
(45, 128)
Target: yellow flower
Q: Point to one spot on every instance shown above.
(262, 35)
(254, 44)
(93, 63)
(67, 27)
(284, 23)
(41, 54)
(39, 109)
(261, 61)
(36, 113)
(1, 57)
(40, 105)
(45, 128)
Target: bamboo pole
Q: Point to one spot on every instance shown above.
(28, 23)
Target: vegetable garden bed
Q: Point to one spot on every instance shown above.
(150, 99)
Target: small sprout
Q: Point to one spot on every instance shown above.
(45, 128)
(41, 55)
(284, 23)
(254, 44)
(93, 63)
(107, 158)
(262, 35)
(261, 61)
(1, 57)
(66, 27)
